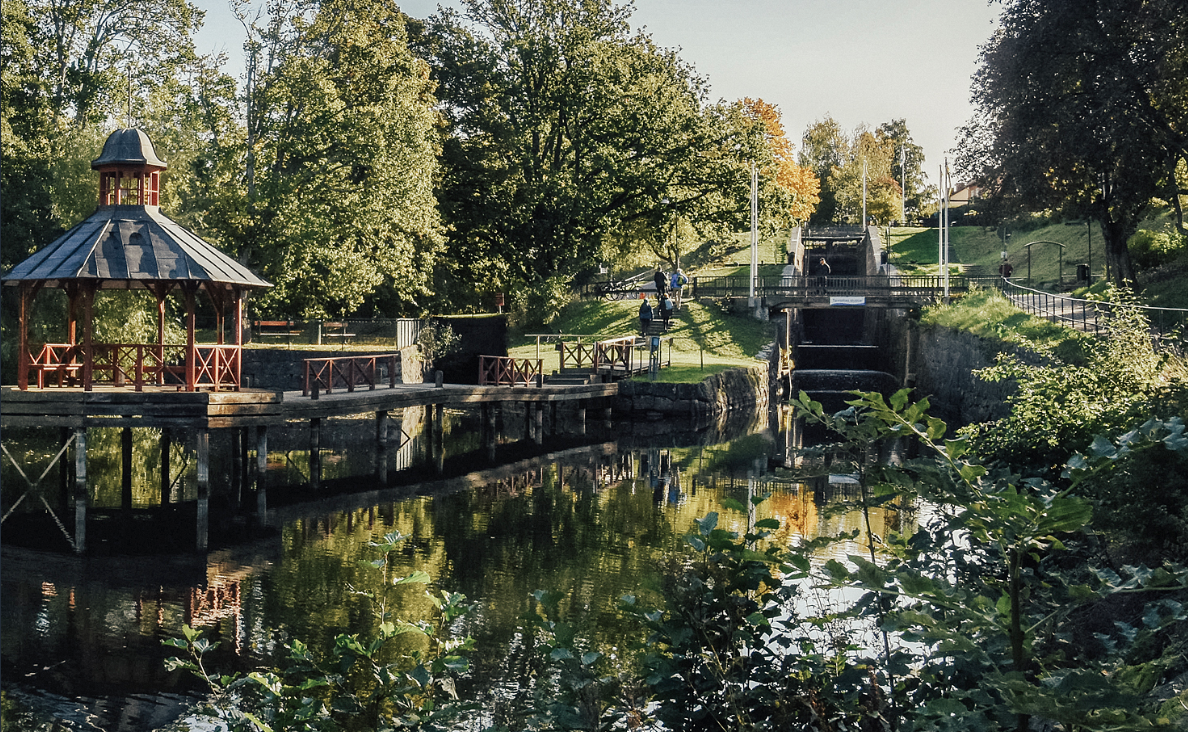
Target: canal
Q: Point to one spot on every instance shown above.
(592, 512)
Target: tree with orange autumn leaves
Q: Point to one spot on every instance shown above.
(792, 190)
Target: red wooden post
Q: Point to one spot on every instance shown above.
(139, 380)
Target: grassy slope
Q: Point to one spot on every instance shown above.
(988, 314)
(701, 331)
(973, 245)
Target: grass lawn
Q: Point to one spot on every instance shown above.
(988, 314)
(915, 249)
(701, 333)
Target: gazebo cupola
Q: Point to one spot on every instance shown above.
(129, 170)
(129, 244)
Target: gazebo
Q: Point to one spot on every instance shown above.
(129, 244)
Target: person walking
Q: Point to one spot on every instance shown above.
(823, 271)
(661, 281)
(645, 317)
(676, 284)
(665, 311)
(1005, 269)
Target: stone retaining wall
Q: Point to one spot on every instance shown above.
(737, 388)
(944, 363)
(284, 369)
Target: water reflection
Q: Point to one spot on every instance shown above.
(591, 513)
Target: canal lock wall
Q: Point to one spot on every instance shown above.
(702, 403)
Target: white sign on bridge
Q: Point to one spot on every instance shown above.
(848, 300)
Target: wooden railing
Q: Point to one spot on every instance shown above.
(60, 360)
(120, 365)
(507, 371)
(615, 354)
(327, 374)
(577, 355)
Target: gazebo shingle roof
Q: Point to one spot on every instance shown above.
(120, 246)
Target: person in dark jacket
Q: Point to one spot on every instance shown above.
(666, 306)
(661, 281)
(645, 316)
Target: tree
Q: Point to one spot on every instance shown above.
(792, 192)
(825, 148)
(94, 51)
(863, 181)
(565, 132)
(25, 208)
(336, 206)
(907, 163)
(1081, 108)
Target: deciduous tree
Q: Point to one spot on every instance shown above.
(565, 133)
(1081, 108)
(339, 206)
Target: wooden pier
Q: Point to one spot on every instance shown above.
(116, 407)
(74, 411)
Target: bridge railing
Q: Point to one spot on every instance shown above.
(887, 286)
(1092, 316)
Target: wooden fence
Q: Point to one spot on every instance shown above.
(327, 374)
(508, 371)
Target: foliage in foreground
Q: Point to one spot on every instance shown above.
(1066, 395)
(364, 682)
(996, 613)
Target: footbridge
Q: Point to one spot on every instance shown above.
(825, 291)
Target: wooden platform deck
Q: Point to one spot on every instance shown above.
(111, 407)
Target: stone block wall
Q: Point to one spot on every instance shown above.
(738, 388)
(944, 365)
(283, 369)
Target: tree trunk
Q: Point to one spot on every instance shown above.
(1116, 233)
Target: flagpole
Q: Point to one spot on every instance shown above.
(754, 230)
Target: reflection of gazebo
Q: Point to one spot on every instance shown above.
(128, 244)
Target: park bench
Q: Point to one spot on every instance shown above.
(334, 330)
(278, 328)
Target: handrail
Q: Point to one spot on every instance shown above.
(323, 374)
(218, 366)
(508, 371)
(1081, 314)
(615, 354)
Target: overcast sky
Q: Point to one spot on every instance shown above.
(859, 61)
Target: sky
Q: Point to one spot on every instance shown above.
(861, 62)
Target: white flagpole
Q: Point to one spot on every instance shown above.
(864, 194)
(947, 183)
(902, 186)
(754, 230)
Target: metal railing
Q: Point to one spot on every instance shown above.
(1090, 316)
(326, 374)
(508, 371)
(913, 287)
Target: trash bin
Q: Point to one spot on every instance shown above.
(1083, 272)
